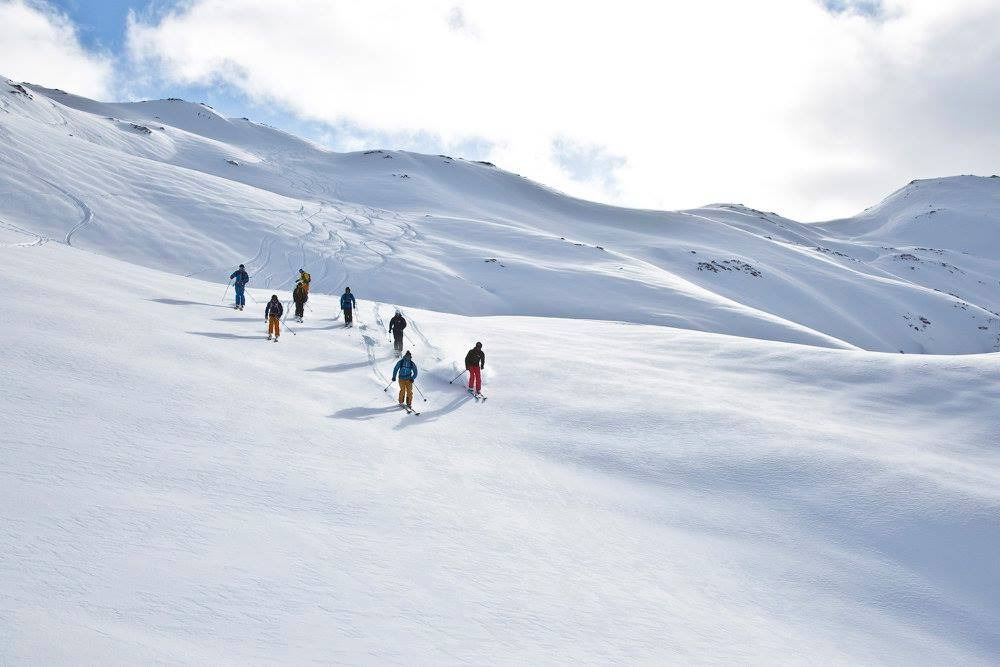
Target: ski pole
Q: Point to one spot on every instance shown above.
(459, 375)
(251, 298)
(419, 392)
(226, 293)
(388, 385)
(286, 326)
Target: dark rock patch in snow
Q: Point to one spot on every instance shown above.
(837, 253)
(919, 323)
(18, 89)
(729, 265)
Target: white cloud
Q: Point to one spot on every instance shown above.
(588, 163)
(871, 8)
(40, 45)
(786, 104)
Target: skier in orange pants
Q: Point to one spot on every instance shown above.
(272, 315)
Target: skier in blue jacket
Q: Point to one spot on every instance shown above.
(240, 278)
(347, 304)
(406, 369)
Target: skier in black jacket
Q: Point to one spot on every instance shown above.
(396, 326)
(300, 295)
(347, 304)
(272, 315)
(475, 361)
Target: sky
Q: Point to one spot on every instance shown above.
(815, 109)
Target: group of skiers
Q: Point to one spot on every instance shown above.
(405, 369)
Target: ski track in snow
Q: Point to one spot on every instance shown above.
(39, 239)
(87, 213)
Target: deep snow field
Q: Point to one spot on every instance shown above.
(674, 465)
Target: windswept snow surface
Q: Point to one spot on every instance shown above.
(757, 482)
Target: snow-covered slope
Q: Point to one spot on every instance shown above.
(175, 488)
(173, 185)
(694, 449)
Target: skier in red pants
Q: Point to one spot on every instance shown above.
(475, 361)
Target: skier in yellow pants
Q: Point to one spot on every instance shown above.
(406, 369)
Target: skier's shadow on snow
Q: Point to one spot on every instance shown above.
(431, 415)
(362, 414)
(340, 368)
(226, 336)
(329, 328)
(181, 302)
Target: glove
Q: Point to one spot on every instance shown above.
(393, 379)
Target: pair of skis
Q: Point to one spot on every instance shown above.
(409, 410)
(478, 395)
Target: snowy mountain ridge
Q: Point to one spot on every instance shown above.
(916, 273)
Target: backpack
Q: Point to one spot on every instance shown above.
(406, 367)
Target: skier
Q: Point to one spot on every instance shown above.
(300, 295)
(240, 278)
(396, 326)
(406, 369)
(305, 279)
(475, 361)
(272, 315)
(347, 304)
